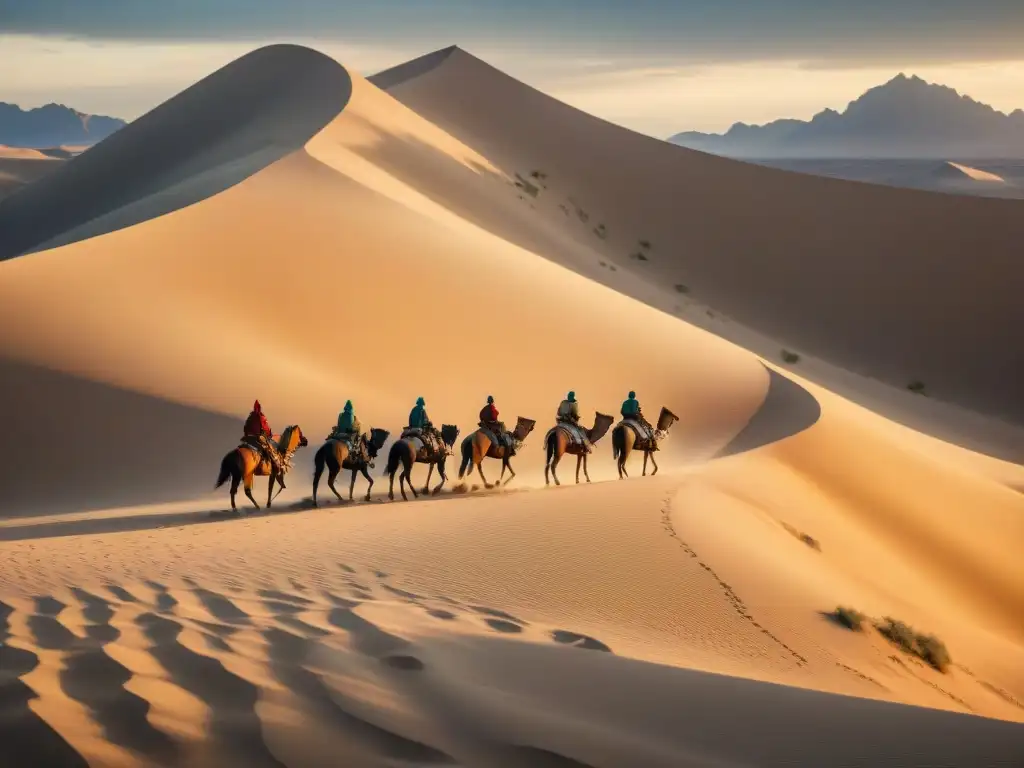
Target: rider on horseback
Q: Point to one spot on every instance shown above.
(349, 428)
(489, 420)
(569, 413)
(631, 410)
(256, 433)
(418, 419)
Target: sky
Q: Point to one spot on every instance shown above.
(656, 66)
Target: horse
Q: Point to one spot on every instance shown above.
(478, 445)
(624, 440)
(406, 452)
(558, 443)
(336, 456)
(246, 461)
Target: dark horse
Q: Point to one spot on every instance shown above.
(245, 462)
(479, 445)
(557, 443)
(336, 456)
(625, 440)
(408, 451)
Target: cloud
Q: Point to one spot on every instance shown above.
(688, 31)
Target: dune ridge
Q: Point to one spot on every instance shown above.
(616, 623)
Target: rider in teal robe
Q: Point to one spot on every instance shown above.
(347, 422)
(418, 418)
(630, 407)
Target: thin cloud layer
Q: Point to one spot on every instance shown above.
(695, 31)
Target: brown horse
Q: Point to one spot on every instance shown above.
(558, 443)
(406, 452)
(245, 462)
(478, 445)
(335, 455)
(624, 440)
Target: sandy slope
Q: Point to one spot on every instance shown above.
(976, 174)
(766, 247)
(665, 621)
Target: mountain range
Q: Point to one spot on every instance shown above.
(906, 117)
(52, 125)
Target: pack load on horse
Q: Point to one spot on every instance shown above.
(634, 432)
(346, 448)
(260, 453)
(348, 430)
(420, 443)
(494, 441)
(567, 436)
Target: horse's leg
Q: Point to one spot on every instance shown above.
(554, 466)
(646, 454)
(655, 466)
(409, 462)
(512, 472)
(235, 480)
(369, 480)
(332, 476)
(480, 470)
(444, 477)
(352, 485)
(585, 473)
(579, 463)
(426, 486)
(391, 488)
(248, 490)
(270, 487)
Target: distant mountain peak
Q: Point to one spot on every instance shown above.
(52, 125)
(904, 117)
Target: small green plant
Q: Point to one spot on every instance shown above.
(928, 648)
(680, 288)
(849, 618)
(790, 357)
(917, 387)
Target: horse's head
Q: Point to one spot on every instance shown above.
(666, 419)
(602, 422)
(523, 428)
(292, 439)
(449, 433)
(375, 440)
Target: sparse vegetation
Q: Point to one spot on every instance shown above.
(645, 244)
(538, 175)
(849, 618)
(531, 189)
(639, 256)
(680, 288)
(928, 648)
(603, 263)
(613, 268)
(601, 232)
(806, 538)
(917, 387)
(583, 215)
(790, 357)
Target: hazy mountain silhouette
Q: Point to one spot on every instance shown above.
(904, 118)
(52, 125)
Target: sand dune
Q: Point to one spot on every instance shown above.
(330, 243)
(976, 174)
(768, 248)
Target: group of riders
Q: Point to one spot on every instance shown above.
(258, 434)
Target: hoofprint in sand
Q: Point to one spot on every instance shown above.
(675, 620)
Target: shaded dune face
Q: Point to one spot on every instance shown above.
(899, 285)
(212, 135)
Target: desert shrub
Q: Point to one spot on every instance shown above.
(790, 357)
(810, 541)
(928, 648)
(638, 256)
(600, 231)
(538, 175)
(645, 244)
(849, 618)
(680, 288)
(917, 387)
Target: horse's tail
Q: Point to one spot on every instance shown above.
(467, 455)
(227, 464)
(550, 447)
(318, 467)
(394, 457)
(618, 441)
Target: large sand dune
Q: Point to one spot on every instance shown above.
(366, 250)
(872, 279)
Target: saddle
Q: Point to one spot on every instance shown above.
(430, 444)
(577, 435)
(644, 434)
(499, 436)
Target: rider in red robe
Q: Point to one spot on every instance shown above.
(257, 427)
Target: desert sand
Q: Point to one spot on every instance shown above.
(308, 237)
(19, 167)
